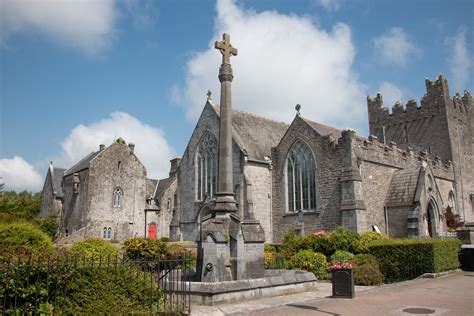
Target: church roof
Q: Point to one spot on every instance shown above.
(163, 185)
(151, 187)
(255, 134)
(57, 178)
(322, 129)
(83, 164)
(402, 189)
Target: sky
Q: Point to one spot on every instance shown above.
(76, 74)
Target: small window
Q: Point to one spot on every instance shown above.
(107, 233)
(117, 197)
(119, 165)
(168, 204)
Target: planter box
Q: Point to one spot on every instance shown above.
(343, 283)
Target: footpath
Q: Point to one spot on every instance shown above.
(450, 294)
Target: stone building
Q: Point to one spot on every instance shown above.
(107, 194)
(307, 176)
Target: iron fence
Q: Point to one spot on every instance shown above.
(65, 285)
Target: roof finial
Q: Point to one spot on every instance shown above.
(209, 92)
(298, 108)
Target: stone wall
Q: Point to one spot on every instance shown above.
(76, 203)
(167, 204)
(47, 197)
(258, 184)
(376, 180)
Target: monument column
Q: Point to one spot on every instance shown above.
(225, 202)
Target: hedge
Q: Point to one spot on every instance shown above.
(404, 259)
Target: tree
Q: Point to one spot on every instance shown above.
(2, 187)
(453, 221)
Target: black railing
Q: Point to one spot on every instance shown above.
(66, 285)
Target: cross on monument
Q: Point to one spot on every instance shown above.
(226, 48)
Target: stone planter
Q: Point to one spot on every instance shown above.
(343, 283)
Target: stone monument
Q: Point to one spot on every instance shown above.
(229, 248)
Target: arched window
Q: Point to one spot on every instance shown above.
(107, 233)
(301, 178)
(117, 197)
(206, 167)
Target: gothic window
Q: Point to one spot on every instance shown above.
(107, 233)
(206, 167)
(301, 178)
(117, 197)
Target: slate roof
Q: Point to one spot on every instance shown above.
(57, 178)
(83, 164)
(402, 189)
(163, 185)
(151, 187)
(255, 134)
(322, 129)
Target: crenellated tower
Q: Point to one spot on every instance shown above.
(442, 125)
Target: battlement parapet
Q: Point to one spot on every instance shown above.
(391, 154)
(434, 102)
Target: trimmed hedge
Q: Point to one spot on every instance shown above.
(404, 259)
(366, 270)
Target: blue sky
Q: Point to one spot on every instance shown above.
(77, 74)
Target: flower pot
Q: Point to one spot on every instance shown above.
(343, 283)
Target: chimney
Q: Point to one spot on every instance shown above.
(174, 166)
(132, 147)
(101, 147)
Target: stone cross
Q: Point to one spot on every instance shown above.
(226, 48)
(209, 94)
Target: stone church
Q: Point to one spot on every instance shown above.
(305, 176)
(107, 194)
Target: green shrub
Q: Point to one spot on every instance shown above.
(23, 238)
(404, 259)
(308, 260)
(165, 239)
(342, 239)
(50, 226)
(367, 275)
(366, 270)
(341, 256)
(275, 260)
(139, 247)
(78, 289)
(95, 248)
(366, 239)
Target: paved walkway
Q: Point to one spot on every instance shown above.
(451, 294)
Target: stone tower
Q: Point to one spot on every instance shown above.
(442, 126)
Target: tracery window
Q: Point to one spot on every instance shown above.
(117, 197)
(301, 178)
(206, 167)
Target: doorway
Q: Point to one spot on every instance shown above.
(152, 231)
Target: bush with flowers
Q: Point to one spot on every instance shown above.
(310, 261)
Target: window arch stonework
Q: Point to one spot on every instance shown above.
(301, 178)
(206, 167)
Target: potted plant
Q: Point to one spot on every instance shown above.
(342, 280)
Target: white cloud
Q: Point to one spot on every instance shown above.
(330, 5)
(282, 60)
(390, 93)
(86, 25)
(395, 47)
(151, 146)
(18, 175)
(459, 61)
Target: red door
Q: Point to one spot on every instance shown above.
(152, 231)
